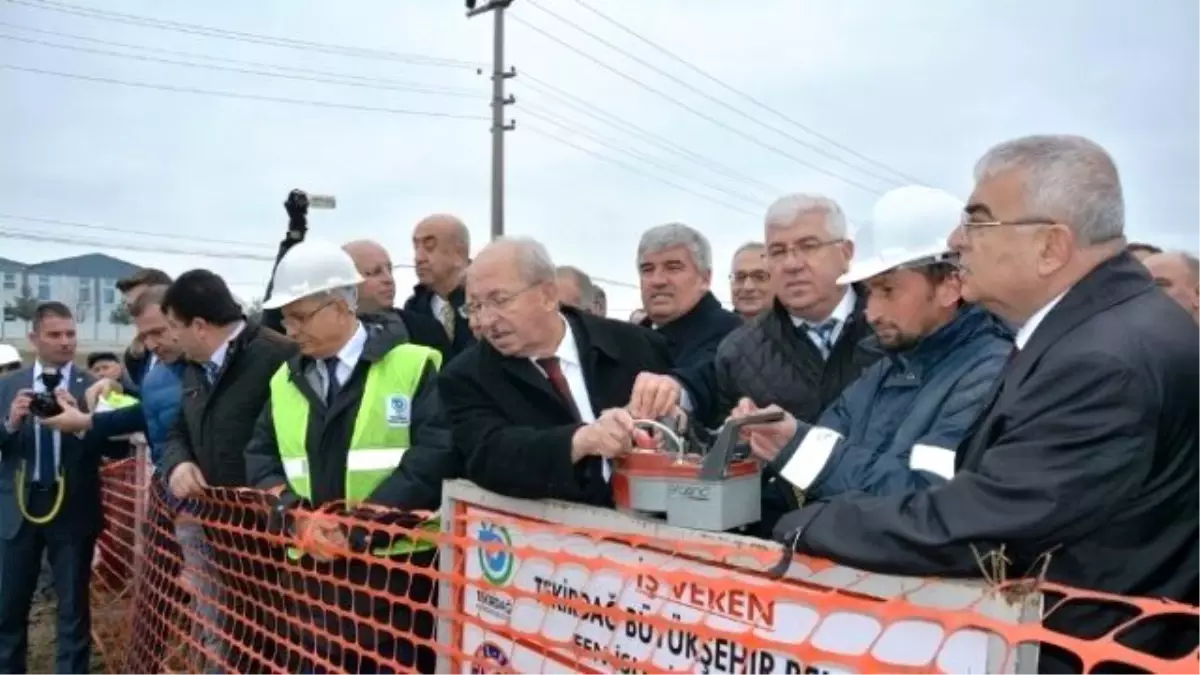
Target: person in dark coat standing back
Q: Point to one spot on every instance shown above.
(536, 406)
(441, 253)
(1084, 457)
(675, 269)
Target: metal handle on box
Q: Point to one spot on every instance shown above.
(721, 453)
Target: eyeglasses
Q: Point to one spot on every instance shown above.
(972, 225)
(495, 303)
(759, 276)
(802, 250)
(303, 319)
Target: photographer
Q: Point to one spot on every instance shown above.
(49, 494)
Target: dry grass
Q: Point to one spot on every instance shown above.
(110, 635)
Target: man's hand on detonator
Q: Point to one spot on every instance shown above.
(321, 538)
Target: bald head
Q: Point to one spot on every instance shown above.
(1178, 274)
(378, 289)
(513, 298)
(441, 251)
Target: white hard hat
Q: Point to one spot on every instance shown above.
(310, 267)
(910, 225)
(9, 355)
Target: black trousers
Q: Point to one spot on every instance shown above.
(399, 602)
(70, 557)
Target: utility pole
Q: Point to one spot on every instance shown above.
(499, 101)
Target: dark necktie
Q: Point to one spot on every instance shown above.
(45, 455)
(554, 373)
(332, 387)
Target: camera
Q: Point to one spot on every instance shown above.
(44, 404)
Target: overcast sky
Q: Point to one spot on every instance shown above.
(921, 88)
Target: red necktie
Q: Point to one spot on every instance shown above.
(554, 373)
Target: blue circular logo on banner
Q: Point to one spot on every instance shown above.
(497, 563)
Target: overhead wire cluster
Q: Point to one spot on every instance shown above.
(554, 112)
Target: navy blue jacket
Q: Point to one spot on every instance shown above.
(693, 338)
(896, 427)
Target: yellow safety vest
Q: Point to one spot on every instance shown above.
(381, 430)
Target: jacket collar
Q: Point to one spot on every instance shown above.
(969, 322)
(590, 344)
(458, 297)
(1111, 283)
(690, 322)
(383, 332)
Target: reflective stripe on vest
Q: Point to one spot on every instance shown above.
(381, 428)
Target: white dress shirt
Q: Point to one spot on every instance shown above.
(572, 369)
(841, 312)
(1026, 331)
(67, 372)
(218, 357)
(347, 356)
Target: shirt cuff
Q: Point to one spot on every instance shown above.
(805, 457)
(685, 399)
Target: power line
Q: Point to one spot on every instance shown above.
(100, 243)
(614, 145)
(702, 115)
(713, 99)
(238, 95)
(381, 84)
(241, 36)
(634, 169)
(625, 126)
(694, 68)
(122, 246)
(124, 230)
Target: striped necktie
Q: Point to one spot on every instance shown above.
(824, 333)
(447, 318)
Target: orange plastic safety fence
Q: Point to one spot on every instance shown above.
(210, 587)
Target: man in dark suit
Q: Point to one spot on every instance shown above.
(536, 405)
(1084, 458)
(49, 498)
(441, 252)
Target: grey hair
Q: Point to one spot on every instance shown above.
(785, 210)
(1066, 177)
(587, 289)
(532, 259)
(347, 294)
(662, 237)
(749, 246)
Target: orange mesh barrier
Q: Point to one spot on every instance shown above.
(211, 589)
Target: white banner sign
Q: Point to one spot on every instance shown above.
(531, 633)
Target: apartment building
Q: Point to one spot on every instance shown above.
(85, 283)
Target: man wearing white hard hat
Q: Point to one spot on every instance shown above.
(895, 428)
(352, 419)
(10, 359)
